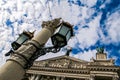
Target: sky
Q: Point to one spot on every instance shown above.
(96, 23)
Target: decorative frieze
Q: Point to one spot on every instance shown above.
(72, 67)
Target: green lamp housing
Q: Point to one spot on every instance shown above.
(62, 35)
(23, 37)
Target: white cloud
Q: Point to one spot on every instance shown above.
(88, 2)
(43, 2)
(1, 60)
(89, 36)
(51, 55)
(113, 29)
(74, 14)
(72, 42)
(86, 55)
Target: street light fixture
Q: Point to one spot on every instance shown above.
(21, 39)
(59, 40)
(62, 35)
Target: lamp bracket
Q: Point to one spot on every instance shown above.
(41, 51)
(53, 49)
(44, 50)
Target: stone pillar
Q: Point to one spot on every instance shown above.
(37, 77)
(115, 77)
(54, 78)
(92, 77)
(62, 78)
(33, 77)
(29, 77)
(48, 78)
(57, 78)
(41, 78)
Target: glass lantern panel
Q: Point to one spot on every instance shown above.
(60, 41)
(59, 38)
(57, 30)
(62, 44)
(21, 39)
(68, 35)
(63, 31)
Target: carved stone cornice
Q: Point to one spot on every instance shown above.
(62, 62)
(62, 70)
(60, 74)
(103, 68)
(66, 62)
(66, 66)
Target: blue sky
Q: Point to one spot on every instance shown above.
(96, 23)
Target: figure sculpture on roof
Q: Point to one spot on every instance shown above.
(100, 49)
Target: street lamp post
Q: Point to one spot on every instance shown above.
(59, 40)
(23, 57)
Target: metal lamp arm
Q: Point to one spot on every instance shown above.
(43, 50)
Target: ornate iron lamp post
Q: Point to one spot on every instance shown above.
(59, 40)
(23, 57)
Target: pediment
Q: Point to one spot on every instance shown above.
(62, 62)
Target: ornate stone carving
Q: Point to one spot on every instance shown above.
(66, 66)
(61, 63)
(115, 77)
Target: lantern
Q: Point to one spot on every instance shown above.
(21, 39)
(62, 35)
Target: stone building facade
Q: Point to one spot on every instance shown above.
(70, 68)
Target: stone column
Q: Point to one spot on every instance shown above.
(54, 78)
(62, 78)
(29, 77)
(37, 77)
(48, 78)
(115, 77)
(57, 78)
(41, 78)
(33, 77)
(92, 77)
